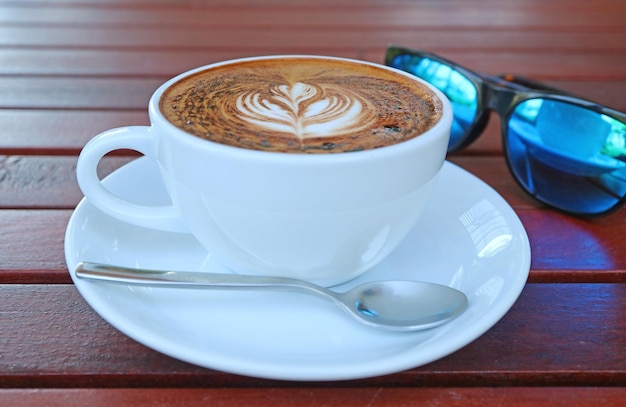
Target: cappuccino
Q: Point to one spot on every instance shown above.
(324, 218)
(301, 105)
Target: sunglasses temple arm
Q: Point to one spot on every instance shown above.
(532, 84)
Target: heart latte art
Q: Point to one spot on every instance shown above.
(305, 110)
(301, 105)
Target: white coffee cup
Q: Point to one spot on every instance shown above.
(326, 218)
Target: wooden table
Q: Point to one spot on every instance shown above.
(70, 69)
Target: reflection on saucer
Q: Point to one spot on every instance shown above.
(591, 166)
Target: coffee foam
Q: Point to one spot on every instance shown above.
(305, 110)
(302, 105)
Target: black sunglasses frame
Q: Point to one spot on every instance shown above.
(502, 94)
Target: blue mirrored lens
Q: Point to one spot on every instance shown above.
(459, 89)
(568, 156)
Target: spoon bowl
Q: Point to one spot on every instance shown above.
(393, 305)
(404, 305)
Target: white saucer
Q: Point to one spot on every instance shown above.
(469, 239)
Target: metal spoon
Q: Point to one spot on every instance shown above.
(393, 305)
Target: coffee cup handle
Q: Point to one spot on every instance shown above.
(138, 138)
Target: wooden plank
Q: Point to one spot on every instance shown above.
(598, 91)
(44, 181)
(272, 38)
(32, 131)
(50, 182)
(320, 396)
(162, 64)
(316, 14)
(165, 4)
(134, 93)
(555, 335)
(561, 244)
(57, 132)
(32, 246)
(581, 65)
(76, 93)
(571, 250)
(564, 248)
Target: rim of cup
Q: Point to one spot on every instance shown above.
(431, 135)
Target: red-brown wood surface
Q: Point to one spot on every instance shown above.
(278, 397)
(71, 69)
(556, 334)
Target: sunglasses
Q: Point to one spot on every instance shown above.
(566, 152)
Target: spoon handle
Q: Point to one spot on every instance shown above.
(119, 274)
